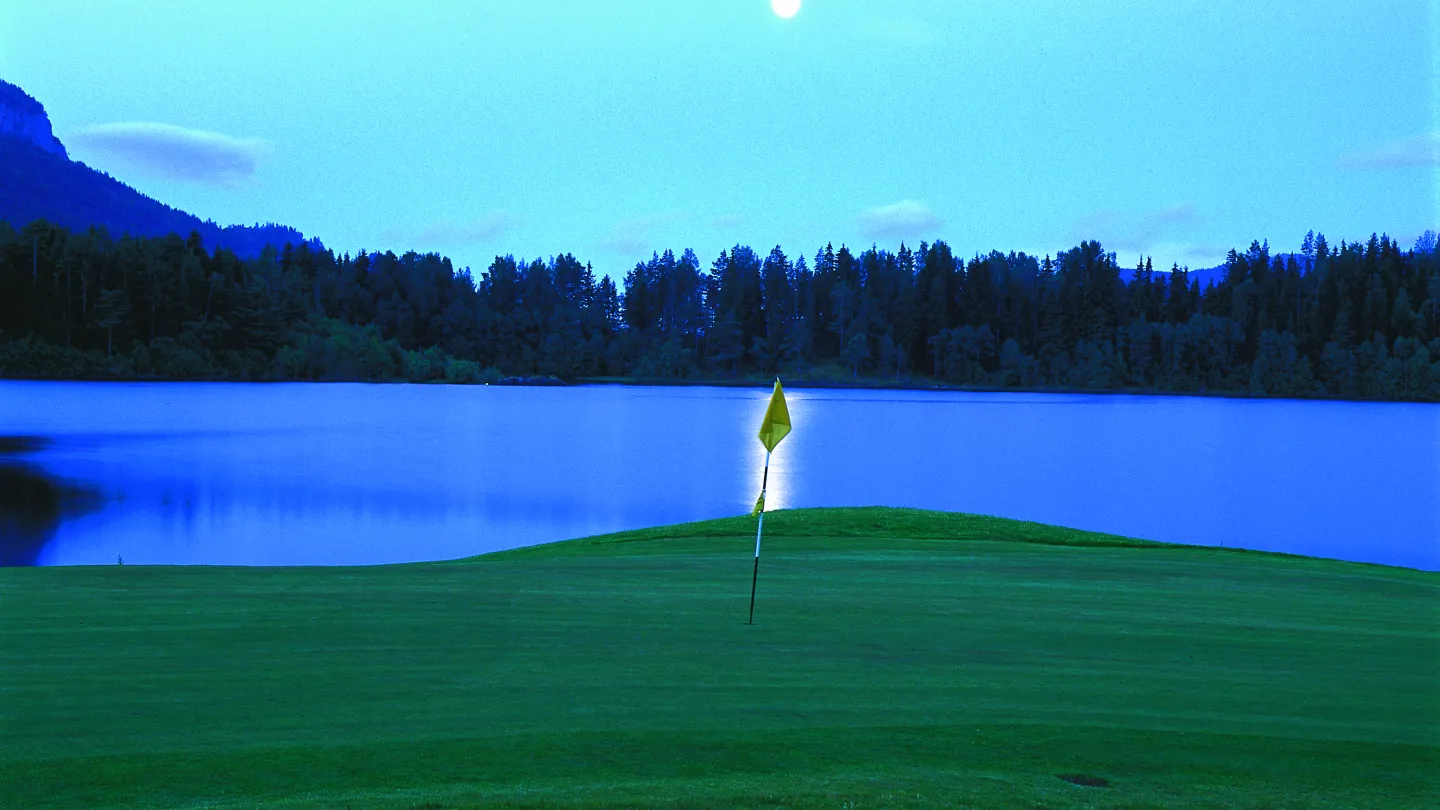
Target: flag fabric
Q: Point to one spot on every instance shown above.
(777, 419)
(759, 505)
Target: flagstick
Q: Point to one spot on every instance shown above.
(755, 576)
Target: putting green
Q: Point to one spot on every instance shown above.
(899, 659)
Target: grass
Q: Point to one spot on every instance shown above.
(899, 659)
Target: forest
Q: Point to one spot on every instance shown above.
(1350, 320)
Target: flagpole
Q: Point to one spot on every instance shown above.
(755, 575)
(774, 427)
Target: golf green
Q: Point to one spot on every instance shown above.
(898, 659)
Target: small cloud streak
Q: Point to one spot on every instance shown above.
(481, 230)
(633, 236)
(1150, 233)
(448, 233)
(1186, 254)
(1421, 150)
(727, 222)
(1134, 232)
(902, 220)
(168, 152)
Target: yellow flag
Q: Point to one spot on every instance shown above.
(777, 419)
(759, 505)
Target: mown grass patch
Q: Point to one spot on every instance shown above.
(899, 658)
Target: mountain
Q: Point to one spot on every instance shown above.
(1205, 275)
(23, 118)
(38, 180)
(1210, 275)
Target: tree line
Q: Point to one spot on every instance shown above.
(1357, 319)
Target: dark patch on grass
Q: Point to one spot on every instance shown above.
(1085, 780)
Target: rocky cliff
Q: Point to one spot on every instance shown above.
(23, 117)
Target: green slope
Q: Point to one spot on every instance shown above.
(899, 658)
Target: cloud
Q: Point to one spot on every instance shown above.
(728, 222)
(1188, 254)
(1421, 150)
(907, 218)
(1159, 233)
(1214, 252)
(633, 236)
(481, 230)
(1134, 232)
(169, 152)
(449, 233)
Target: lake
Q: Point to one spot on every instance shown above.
(342, 474)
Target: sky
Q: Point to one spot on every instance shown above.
(613, 128)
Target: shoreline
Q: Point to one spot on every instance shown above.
(861, 384)
(876, 385)
(1043, 534)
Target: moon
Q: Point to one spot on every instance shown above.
(785, 9)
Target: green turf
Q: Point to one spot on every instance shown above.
(899, 658)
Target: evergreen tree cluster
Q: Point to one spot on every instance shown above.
(1356, 320)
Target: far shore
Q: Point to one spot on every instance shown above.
(753, 381)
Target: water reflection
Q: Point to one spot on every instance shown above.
(19, 445)
(32, 503)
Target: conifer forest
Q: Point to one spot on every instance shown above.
(1353, 319)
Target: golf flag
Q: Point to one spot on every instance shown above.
(776, 425)
(773, 428)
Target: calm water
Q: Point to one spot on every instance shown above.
(357, 474)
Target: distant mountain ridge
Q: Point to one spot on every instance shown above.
(1205, 275)
(1213, 275)
(38, 180)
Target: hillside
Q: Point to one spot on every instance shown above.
(38, 180)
